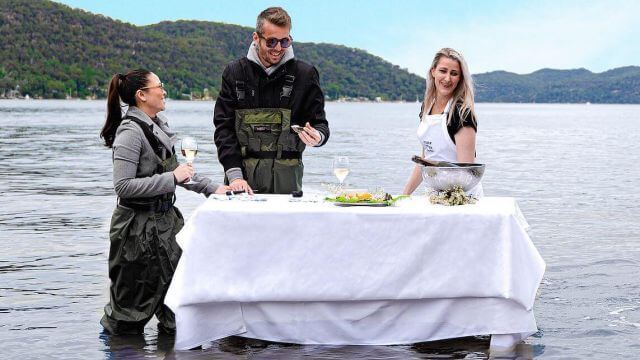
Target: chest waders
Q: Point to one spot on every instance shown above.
(271, 152)
(143, 254)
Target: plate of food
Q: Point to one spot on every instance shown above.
(365, 198)
(362, 203)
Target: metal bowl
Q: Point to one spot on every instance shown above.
(466, 176)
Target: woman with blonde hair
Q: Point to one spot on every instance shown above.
(448, 126)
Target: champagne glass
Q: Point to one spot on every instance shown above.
(341, 168)
(189, 147)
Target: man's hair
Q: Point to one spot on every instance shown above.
(275, 15)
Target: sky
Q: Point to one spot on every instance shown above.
(515, 36)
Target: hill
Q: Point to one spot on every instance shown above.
(50, 50)
(621, 85)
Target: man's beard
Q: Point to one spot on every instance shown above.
(267, 57)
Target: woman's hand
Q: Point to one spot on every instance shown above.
(183, 172)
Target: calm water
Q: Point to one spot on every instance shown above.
(571, 167)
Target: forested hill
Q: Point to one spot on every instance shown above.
(621, 85)
(53, 51)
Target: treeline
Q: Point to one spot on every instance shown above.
(621, 86)
(52, 51)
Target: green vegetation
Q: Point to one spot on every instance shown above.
(50, 50)
(621, 86)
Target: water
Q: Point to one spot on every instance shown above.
(571, 167)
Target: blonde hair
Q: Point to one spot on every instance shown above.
(463, 93)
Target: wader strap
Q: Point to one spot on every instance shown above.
(147, 129)
(274, 154)
(287, 88)
(240, 92)
(279, 152)
(241, 73)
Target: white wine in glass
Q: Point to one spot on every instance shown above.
(189, 155)
(341, 168)
(189, 147)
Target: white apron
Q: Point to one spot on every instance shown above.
(437, 144)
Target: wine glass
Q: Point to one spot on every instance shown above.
(189, 147)
(341, 168)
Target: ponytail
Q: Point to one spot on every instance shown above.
(114, 112)
(122, 88)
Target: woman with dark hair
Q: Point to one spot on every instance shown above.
(143, 253)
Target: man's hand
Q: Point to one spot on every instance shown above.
(309, 135)
(240, 185)
(222, 189)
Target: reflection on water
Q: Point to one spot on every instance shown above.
(568, 166)
(133, 347)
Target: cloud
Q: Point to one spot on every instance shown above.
(595, 36)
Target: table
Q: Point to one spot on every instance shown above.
(316, 273)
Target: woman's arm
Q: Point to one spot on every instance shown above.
(415, 179)
(126, 157)
(204, 186)
(466, 145)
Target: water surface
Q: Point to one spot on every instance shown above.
(571, 167)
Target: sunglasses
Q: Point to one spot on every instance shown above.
(272, 42)
(161, 85)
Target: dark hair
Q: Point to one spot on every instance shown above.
(122, 88)
(275, 15)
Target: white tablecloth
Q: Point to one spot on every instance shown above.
(308, 272)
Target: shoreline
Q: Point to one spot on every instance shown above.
(339, 101)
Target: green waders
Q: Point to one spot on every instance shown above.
(142, 258)
(271, 152)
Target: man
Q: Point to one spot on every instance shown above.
(262, 98)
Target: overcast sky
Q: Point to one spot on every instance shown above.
(516, 36)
